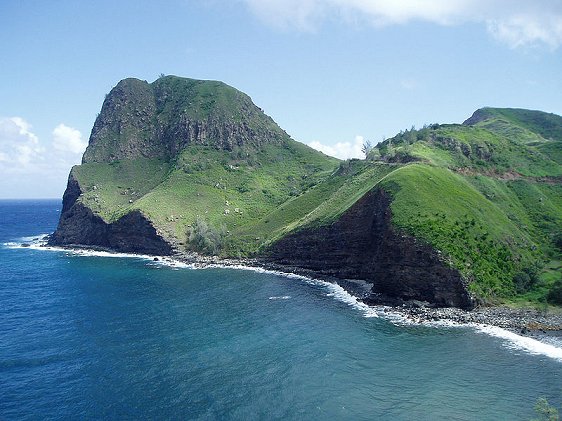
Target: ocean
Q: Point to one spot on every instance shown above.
(91, 335)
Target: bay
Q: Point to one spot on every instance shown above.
(98, 337)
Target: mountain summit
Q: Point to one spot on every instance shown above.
(158, 120)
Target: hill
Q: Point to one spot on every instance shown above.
(176, 152)
(488, 194)
(454, 215)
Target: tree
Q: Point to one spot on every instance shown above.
(545, 411)
(204, 238)
(366, 148)
(375, 154)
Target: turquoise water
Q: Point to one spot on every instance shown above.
(94, 337)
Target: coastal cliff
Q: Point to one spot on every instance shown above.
(80, 226)
(363, 244)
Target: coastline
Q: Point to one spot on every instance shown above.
(527, 322)
(522, 321)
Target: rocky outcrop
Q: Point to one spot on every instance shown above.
(225, 135)
(476, 117)
(125, 126)
(158, 120)
(132, 233)
(78, 225)
(362, 244)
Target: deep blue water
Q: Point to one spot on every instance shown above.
(89, 337)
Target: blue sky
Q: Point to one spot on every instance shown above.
(330, 72)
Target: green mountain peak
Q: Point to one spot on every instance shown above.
(160, 119)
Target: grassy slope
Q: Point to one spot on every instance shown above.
(207, 183)
(512, 174)
(201, 99)
(546, 125)
(473, 233)
(231, 193)
(479, 149)
(320, 205)
(108, 187)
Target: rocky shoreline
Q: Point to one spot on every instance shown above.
(523, 321)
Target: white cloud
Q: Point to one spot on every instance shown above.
(31, 167)
(67, 139)
(19, 147)
(285, 13)
(22, 152)
(524, 30)
(341, 150)
(517, 23)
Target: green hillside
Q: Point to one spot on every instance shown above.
(203, 183)
(545, 125)
(320, 205)
(183, 151)
(488, 194)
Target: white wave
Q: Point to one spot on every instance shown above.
(172, 263)
(27, 242)
(522, 343)
(549, 347)
(35, 238)
(38, 242)
(340, 294)
(93, 253)
(282, 297)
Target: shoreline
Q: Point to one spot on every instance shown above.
(528, 322)
(522, 321)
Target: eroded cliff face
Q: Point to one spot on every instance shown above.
(78, 225)
(362, 244)
(158, 120)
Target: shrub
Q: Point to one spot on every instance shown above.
(545, 411)
(557, 240)
(555, 294)
(525, 279)
(204, 238)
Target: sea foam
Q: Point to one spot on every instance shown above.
(517, 342)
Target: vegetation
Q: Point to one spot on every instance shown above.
(546, 125)
(203, 182)
(444, 209)
(320, 205)
(205, 239)
(545, 411)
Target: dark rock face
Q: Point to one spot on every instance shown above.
(78, 225)
(158, 120)
(211, 131)
(125, 125)
(362, 244)
(476, 117)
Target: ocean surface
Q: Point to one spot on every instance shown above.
(99, 336)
